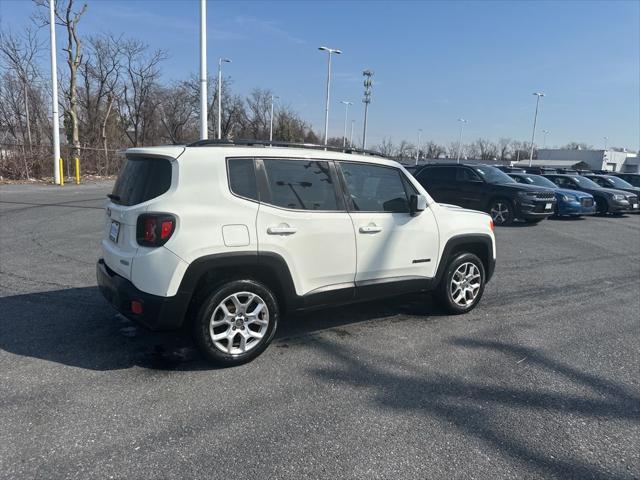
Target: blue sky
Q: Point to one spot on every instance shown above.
(433, 61)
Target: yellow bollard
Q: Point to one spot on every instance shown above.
(77, 171)
(61, 173)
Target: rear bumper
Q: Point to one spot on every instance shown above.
(158, 313)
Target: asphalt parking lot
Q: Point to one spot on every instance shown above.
(540, 381)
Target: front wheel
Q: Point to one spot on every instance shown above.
(602, 207)
(501, 211)
(462, 284)
(236, 322)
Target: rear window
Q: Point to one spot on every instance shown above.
(141, 179)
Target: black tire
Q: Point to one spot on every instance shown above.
(602, 207)
(506, 209)
(209, 306)
(444, 294)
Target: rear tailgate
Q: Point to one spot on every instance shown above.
(142, 179)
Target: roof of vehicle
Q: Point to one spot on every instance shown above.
(266, 148)
(455, 164)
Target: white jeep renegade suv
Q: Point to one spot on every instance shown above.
(226, 237)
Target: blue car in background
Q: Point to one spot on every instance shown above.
(569, 202)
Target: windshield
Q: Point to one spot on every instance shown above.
(538, 180)
(493, 175)
(618, 182)
(585, 182)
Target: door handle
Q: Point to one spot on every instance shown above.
(371, 228)
(282, 229)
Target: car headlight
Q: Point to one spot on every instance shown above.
(618, 197)
(569, 198)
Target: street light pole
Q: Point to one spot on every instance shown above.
(54, 96)
(204, 130)
(346, 116)
(331, 51)
(220, 62)
(366, 100)
(606, 139)
(462, 122)
(418, 148)
(535, 120)
(273, 97)
(353, 122)
(544, 139)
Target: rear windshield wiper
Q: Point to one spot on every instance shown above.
(113, 197)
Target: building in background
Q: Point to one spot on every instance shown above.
(611, 160)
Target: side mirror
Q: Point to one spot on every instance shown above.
(417, 203)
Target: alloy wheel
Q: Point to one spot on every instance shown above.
(239, 323)
(465, 284)
(500, 213)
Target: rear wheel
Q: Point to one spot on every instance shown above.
(462, 284)
(236, 322)
(501, 211)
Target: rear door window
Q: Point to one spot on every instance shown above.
(141, 179)
(437, 174)
(300, 184)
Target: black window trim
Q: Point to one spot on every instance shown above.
(265, 189)
(348, 198)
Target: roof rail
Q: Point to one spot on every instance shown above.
(267, 143)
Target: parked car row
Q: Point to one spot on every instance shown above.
(525, 195)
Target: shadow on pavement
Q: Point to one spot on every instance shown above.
(487, 410)
(77, 327)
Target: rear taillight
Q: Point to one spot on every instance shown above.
(154, 229)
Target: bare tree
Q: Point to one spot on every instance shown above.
(137, 104)
(20, 55)
(386, 148)
(178, 113)
(504, 146)
(434, 150)
(69, 17)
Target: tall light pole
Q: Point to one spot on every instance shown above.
(535, 120)
(204, 128)
(462, 122)
(367, 74)
(606, 139)
(418, 148)
(544, 138)
(353, 123)
(273, 98)
(54, 96)
(346, 116)
(220, 62)
(331, 51)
